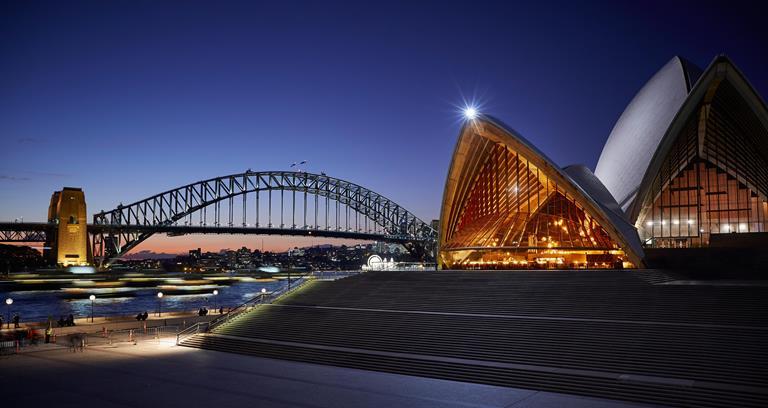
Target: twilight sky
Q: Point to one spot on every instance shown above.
(129, 98)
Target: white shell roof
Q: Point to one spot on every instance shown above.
(641, 127)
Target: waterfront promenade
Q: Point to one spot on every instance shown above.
(85, 325)
(101, 331)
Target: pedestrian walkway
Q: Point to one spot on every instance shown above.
(31, 338)
(161, 374)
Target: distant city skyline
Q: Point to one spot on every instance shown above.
(150, 254)
(217, 243)
(126, 100)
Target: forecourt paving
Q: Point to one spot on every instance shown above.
(162, 374)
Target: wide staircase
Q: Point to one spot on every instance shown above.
(636, 336)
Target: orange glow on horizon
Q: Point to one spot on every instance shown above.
(215, 243)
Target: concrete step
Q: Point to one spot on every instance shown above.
(630, 390)
(615, 334)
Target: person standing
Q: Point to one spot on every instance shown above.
(16, 321)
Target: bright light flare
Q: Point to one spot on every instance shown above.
(470, 112)
(470, 109)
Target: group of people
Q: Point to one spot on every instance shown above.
(15, 320)
(203, 311)
(68, 322)
(142, 316)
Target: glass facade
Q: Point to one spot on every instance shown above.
(714, 179)
(510, 213)
(695, 178)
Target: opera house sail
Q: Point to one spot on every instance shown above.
(708, 176)
(506, 205)
(639, 130)
(685, 166)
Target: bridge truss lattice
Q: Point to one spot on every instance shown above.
(272, 202)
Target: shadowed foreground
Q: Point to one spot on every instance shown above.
(165, 375)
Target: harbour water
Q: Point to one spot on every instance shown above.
(40, 303)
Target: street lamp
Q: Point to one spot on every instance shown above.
(263, 293)
(159, 304)
(215, 292)
(8, 303)
(92, 297)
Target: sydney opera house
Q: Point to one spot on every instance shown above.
(685, 166)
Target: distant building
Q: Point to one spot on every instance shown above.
(243, 257)
(296, 252)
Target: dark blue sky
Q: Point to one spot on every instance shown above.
(127, 99)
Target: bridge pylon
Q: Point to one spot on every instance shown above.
(67, 242)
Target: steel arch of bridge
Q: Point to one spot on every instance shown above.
(375, 216)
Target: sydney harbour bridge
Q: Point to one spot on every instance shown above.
(260, 203)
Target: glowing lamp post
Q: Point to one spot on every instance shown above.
(159, 304)
(92, 297)
(8, 303)
(263, 294)
(215, 304)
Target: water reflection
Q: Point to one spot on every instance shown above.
(39, 305)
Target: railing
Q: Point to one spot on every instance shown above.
(258, 300)
(134, 335)
(204, 327)
(200, 327)
(9, 347)
(333, 275)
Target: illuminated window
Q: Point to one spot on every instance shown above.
(714, 176)
(505, 206)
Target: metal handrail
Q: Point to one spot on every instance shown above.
(237, 310)
(265, 298)
(190, 331)
(334, 275)
(258, 300)
(204, 327)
